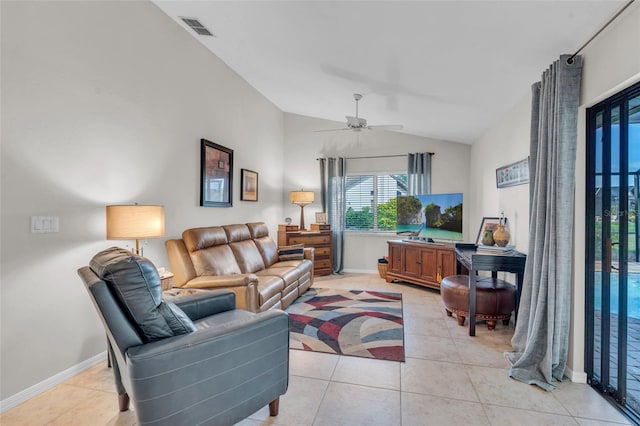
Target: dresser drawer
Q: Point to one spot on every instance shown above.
(322, 251)
(321, 263)
(310, 239)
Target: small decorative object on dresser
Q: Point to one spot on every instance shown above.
(318, 237)
(321, 217)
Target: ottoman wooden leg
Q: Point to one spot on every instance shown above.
(448, 312)
(460, 319)
(491, 324)
(506, 321)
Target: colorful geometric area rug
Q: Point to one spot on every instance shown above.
(348, 322)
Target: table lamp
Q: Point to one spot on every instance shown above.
(135, 222)
(301, 198)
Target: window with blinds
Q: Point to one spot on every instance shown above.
(371, 201)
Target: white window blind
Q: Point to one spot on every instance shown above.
(371, 201)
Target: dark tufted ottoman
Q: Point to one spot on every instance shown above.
(495, 299)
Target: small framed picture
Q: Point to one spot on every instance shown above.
(249, 185)
(488, 224)
(216, 175)
(321, 217)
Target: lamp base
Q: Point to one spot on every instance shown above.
(302, 217)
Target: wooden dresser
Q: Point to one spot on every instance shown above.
(318, 237)
(420, 263)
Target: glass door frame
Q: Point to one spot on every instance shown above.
(603, 382)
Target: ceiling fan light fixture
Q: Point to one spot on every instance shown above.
(356, 124)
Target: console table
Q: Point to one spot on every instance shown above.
(419, 262)
(468, 258)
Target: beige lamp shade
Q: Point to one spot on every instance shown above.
(134, 222)
(301, 198)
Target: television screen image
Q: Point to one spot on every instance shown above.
(437, 216)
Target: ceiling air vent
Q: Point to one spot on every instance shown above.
(197, 26)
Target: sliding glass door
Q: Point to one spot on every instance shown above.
(613, 249)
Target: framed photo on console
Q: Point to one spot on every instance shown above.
(216, 175)
(488, 223)
(248, 185)
(321, 217)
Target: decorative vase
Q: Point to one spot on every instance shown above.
(501, 236)
(487, 237)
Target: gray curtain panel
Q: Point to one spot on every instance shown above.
(332, 190)
(541, 339)
(419, 173)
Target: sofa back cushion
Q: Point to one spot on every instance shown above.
(245, 251)
(209, 251)
(136, 284)
(267, 247)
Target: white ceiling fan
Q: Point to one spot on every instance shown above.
(357, 124)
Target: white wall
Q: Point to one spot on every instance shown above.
(106, 102)
(505, 143)
(303, 145)
(610, 63)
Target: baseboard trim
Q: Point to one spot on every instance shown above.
(575, 376)
(52, 381)
(361, 271)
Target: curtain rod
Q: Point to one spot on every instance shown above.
(570, 59)
(379, 156)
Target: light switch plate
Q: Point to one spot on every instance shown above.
(44, 224)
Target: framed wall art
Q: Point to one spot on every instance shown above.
(321, 217)
(248, 185)
(216, 175)
(513, 174)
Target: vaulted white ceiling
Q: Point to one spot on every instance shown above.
(443, 69)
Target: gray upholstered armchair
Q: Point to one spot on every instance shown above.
(190, 358)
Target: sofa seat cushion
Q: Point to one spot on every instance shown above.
(289, 275)
(136, 284)
(269, 286)
(304, 264)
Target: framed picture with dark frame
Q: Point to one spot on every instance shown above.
(248, 185)
(216, 175)
(488, 223)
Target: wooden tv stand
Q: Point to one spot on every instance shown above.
(420, 262)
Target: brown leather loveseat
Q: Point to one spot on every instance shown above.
(241, 258)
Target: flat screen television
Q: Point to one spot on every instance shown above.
(435, 216)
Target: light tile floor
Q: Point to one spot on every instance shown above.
(448, 378)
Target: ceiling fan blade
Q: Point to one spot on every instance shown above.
(333, 130)
(386, 127)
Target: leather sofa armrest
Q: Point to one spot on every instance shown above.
(198, 303)
(309, 253)
(245, 286)
(222, 281)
